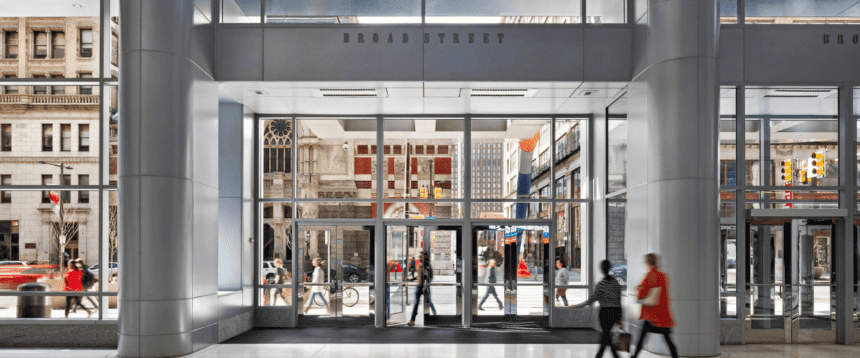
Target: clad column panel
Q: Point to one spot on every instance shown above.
(679, 196)
(157, 181)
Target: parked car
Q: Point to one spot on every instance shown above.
(7, 263)
(94, 269)
(270, 272)
(619, 272)
(730, 263)
(11, 279)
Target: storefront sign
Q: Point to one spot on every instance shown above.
(441, 37)
(30, 245)
(841, 39)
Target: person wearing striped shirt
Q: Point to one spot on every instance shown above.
(608, 293)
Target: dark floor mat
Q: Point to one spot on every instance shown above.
(485, 334)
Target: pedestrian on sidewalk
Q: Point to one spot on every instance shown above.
(88, 280)
(653, 294)
(318, 280)
(73, 283)
(424, 273)
(561, 278)
(608, 294)
(491, 290)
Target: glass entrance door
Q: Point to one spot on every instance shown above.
(411, 249)
(511, 275)
(790, 281)
(335, 265)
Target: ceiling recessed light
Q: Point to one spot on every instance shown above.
(77, 6)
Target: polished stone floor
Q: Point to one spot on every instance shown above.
(444, 350)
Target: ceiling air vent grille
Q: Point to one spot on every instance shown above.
(349, 92)
(350, 95)
(800, 93)
(502, 92)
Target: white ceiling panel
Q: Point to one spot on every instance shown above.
(51, 8)
(266, 105)
(421, 98)
(442, 92)
(400, 92)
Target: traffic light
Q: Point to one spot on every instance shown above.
(786, 171)
(817, 164)
(423, 192)
(438, 193)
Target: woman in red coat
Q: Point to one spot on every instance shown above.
(74, 283)
(657, 316)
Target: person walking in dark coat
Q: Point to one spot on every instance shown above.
(608, 293)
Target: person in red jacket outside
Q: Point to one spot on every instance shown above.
(74, 283)
(657, 316)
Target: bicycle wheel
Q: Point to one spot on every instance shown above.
(350, 297)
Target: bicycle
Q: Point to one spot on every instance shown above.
(349, 297)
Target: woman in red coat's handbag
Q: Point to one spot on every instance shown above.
(653, 293)
(74, 283)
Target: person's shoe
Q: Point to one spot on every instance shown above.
(388, 322)
(89, 313)
(306, 309)
(411, 323)
(480, 309)
(501, 307)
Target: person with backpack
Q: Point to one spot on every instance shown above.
(281, 279)
(425, 276)
(491, 278)
(88, 280)
(72, 281)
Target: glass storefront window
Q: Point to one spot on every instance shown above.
(856, 100)
(52, 134)
(509, 210)
(424, 210)
(802, 12)
(728, 11)
(549, 12)
(336, 12)
(572, 241)
(616, 239)
(606, 11)
(728, 137)
(571, 156)
(799, 129)
(276, 141)
(616, 149)
(240, 11)
(423, 159)
(511, 158)
(335, 158)
(336, 210)
(277, 243)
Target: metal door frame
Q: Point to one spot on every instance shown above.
(336, 316)
(792, 333)
(549, 272)
(428, 227)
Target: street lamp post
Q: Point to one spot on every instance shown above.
(62, 229)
